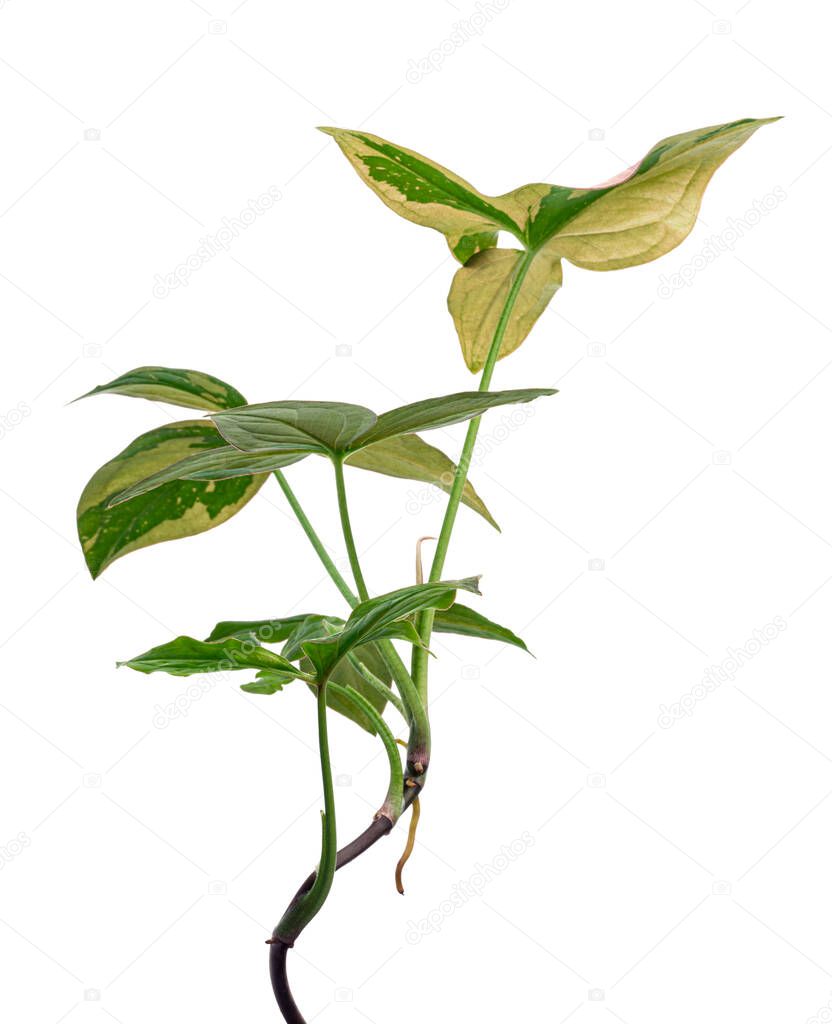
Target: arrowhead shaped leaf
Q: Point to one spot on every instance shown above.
(372, 620)
(478, 295)
(410, 458)
(424, 192)
(634, 218)
(185, 656)
(466, 622)
(188, 388)
(178, 509)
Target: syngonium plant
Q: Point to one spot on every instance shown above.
(190, 476)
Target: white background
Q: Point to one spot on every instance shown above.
(674, 873)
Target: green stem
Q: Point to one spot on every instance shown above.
(394, 801)
(298, 916)
(424, 622)
(346, 526)
(416, 715)
(375, 684)
(315, 540)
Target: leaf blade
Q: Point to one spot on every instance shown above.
(189, 388)
(445, 410)
(464, 621)
(186, 656)
(408, 457)
(645, 212)
(478, 296)
(326, 428)
(372, 620)
(425, 192)
(173, 511)
(223, 463)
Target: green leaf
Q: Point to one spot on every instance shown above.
(224, 463)
(372, 620)
(264, 631)
(478, 295)
(336, 429)
(322, 427)
(310, 628)
(179, 509)
(424, 192)
(268, 681)
(410, 458)
(345, 673)
(466, 622)
(189, 388)
(442, 412)
(639, 215)
(407, 457)
(185, 656)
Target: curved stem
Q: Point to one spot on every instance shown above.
(346, 526)
(424, 622)
(394, 801)
(377, 685)
(298, 916)
(279, 949)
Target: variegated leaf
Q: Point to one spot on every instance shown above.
(635, 217)
(424, 192)
(188, 388)
(224, 463)
(478, 296)
(644, 212)
(182, 508)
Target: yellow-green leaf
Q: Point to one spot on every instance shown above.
(189, 388)
(424, 192)
(410, 458)
(181, 508)
(641, 214)
(478, 296)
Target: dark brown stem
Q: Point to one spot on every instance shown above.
(280, 946)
